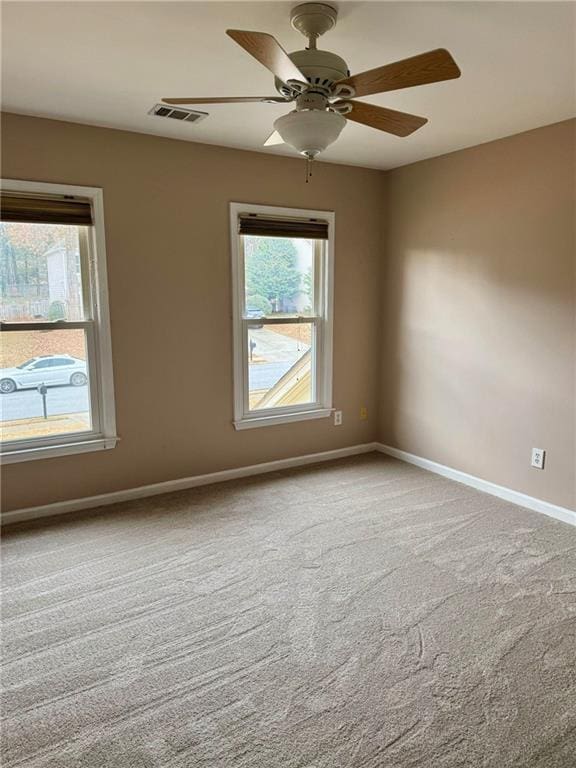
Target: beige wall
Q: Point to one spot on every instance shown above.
(479, 337)
(456, 273)
(166, 208)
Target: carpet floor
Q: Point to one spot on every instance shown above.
(357, 614)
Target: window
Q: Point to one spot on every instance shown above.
(56, 390)
(282, 267)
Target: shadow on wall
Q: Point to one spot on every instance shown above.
(479, 313)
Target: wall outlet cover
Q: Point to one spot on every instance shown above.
(337, 418)
(538, 457)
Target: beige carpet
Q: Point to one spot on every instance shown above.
(358, 614)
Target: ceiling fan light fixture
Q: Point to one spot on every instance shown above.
(310, 131)
(321, 85)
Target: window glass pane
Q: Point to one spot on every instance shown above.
(279, 276)
(26, 359)
(40, 272)
(280, 365)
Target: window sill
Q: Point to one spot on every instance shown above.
(62, 449)
(284, 418)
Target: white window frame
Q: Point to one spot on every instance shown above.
(97, 333)
(322, 322)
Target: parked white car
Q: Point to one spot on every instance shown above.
(51, 370)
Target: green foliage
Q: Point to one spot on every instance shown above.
(56, 311)
(271, 269)
(259, 302)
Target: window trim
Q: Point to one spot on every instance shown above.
(98, 339)
(323, 407)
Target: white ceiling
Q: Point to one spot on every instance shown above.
(108, 63)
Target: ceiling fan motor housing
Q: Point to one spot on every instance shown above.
(321, 69)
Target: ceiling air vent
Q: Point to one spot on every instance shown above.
(186, 115)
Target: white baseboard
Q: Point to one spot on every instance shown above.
(538, 505)
(104, 499)
(90, 502)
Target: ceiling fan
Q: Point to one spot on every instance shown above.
(320, 84)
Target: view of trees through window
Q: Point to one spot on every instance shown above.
(40, 272)
(279, 282)
(43, 373)
(279, 274)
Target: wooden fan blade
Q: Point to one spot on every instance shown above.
(431, 67)
(268, 51)
(223, 100)
(389, 120)
(273, 139)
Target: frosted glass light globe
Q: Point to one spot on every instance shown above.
(310, 131)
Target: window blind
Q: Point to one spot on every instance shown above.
(45, 210)
(312, 229)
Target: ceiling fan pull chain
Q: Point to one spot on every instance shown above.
(308, 168)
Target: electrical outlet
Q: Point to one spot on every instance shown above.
(337, 418)
(363, 413)
(538, 457)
